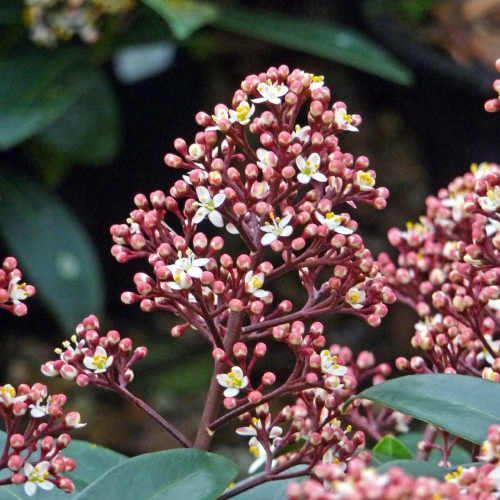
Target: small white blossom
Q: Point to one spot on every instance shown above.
(266, 158)
(99, 362)
(329, 364)
(260, 455)
(302, 133)
(270, 92)
(37, 477)
(279, 228)
(17, 292)
(208, 206)
(491, 201)
(355, 296)
(234, 381)
(8, 395)
(317, 81)
(134, 227)
(242, 114)
(251, 430)
(343, 120)
(189, 264)
(363, 180)
(456, 203)
(221, 112)
(253, 284)
(333, 223)
(309, 169)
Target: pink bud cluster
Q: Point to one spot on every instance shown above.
(12, 292)
(102, 360)
(359, 482)
(448, 271)
(493, 105)
(46, 418)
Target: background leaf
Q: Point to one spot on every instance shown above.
(37, 88)
(391, 446)
(53, 250)
(165, 475)
(185, 17)
(462, 405)
(330, 41)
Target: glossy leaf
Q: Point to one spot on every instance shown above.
(415, 468)
(329, 41)
(391, 446)
(89, 129)
(462, 405)
(37, 88)
(53, 249)
(165, 475)
(183, 18)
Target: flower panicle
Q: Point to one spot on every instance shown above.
(12, 290)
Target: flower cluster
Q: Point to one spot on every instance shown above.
(50, 21)
(93, 359)
(280, 198)
(12, 290)
(46, 418)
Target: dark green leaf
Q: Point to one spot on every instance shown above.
(415, 468)
(37, 88)
(165, 475)
(92, 462)
(457, 456)
(11, 12)
(330, 41)
(184, 18)
(53, 249)
(89, 129)
(391, 446)
(462, 405)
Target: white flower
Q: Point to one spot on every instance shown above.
(363, 180)
(343, 120)
(330, 458)
(8, 395)
(317, 82)
(302, 133)
(329, 364)
(260, 455)
(492, 227)
(491, 201)
(99, 362)
(242, 114)
(231, 228)
(207, 206)
(266, 158)
(253, 284)
(234, 381)
(259, 189)
(423, 326)
(456, 203)
(480, 171)
(38, 410)
(251, 430)
(355, 296)
(189, 264)
(333, 223)
(279, 228)
(270, 92)
(197, 151)
(221, 111)
(134, 226)
(17, 292)
(401, 421)
(309, 169)
(37, 477)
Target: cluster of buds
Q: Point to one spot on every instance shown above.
(93, 359)
(336, 481)
(279, 199)
(12, 291)
(46, 418)
(50, 21)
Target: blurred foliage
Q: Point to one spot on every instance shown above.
(410, 11)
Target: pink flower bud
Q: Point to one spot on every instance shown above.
(18, 478)
(65, 484)
(68, 372)
(240, 350)
(73, 419)
(219, 355)
(218, 287)
(15, 462)
(315, 438)
(268, 378)
(256, 307)
(311, 378)
(373, 320)
(229, 403)
(255, 397)
(298, 243)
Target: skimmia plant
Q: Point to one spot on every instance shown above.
(268, 171)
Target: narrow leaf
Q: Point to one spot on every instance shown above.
(37, 88)
(53, 249)
(462, 405)
(330, 41)
(391, 446)
(165, 475)
(185, 17)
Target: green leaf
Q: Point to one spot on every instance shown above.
(37, 88)
(89, 129)
(165, 475)
(415, 468)
(92, 461)
(53, 250)
(329, 41)
(457, 456)
(11, 12)
(184, 17)
(391, 446)
(462, 405)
